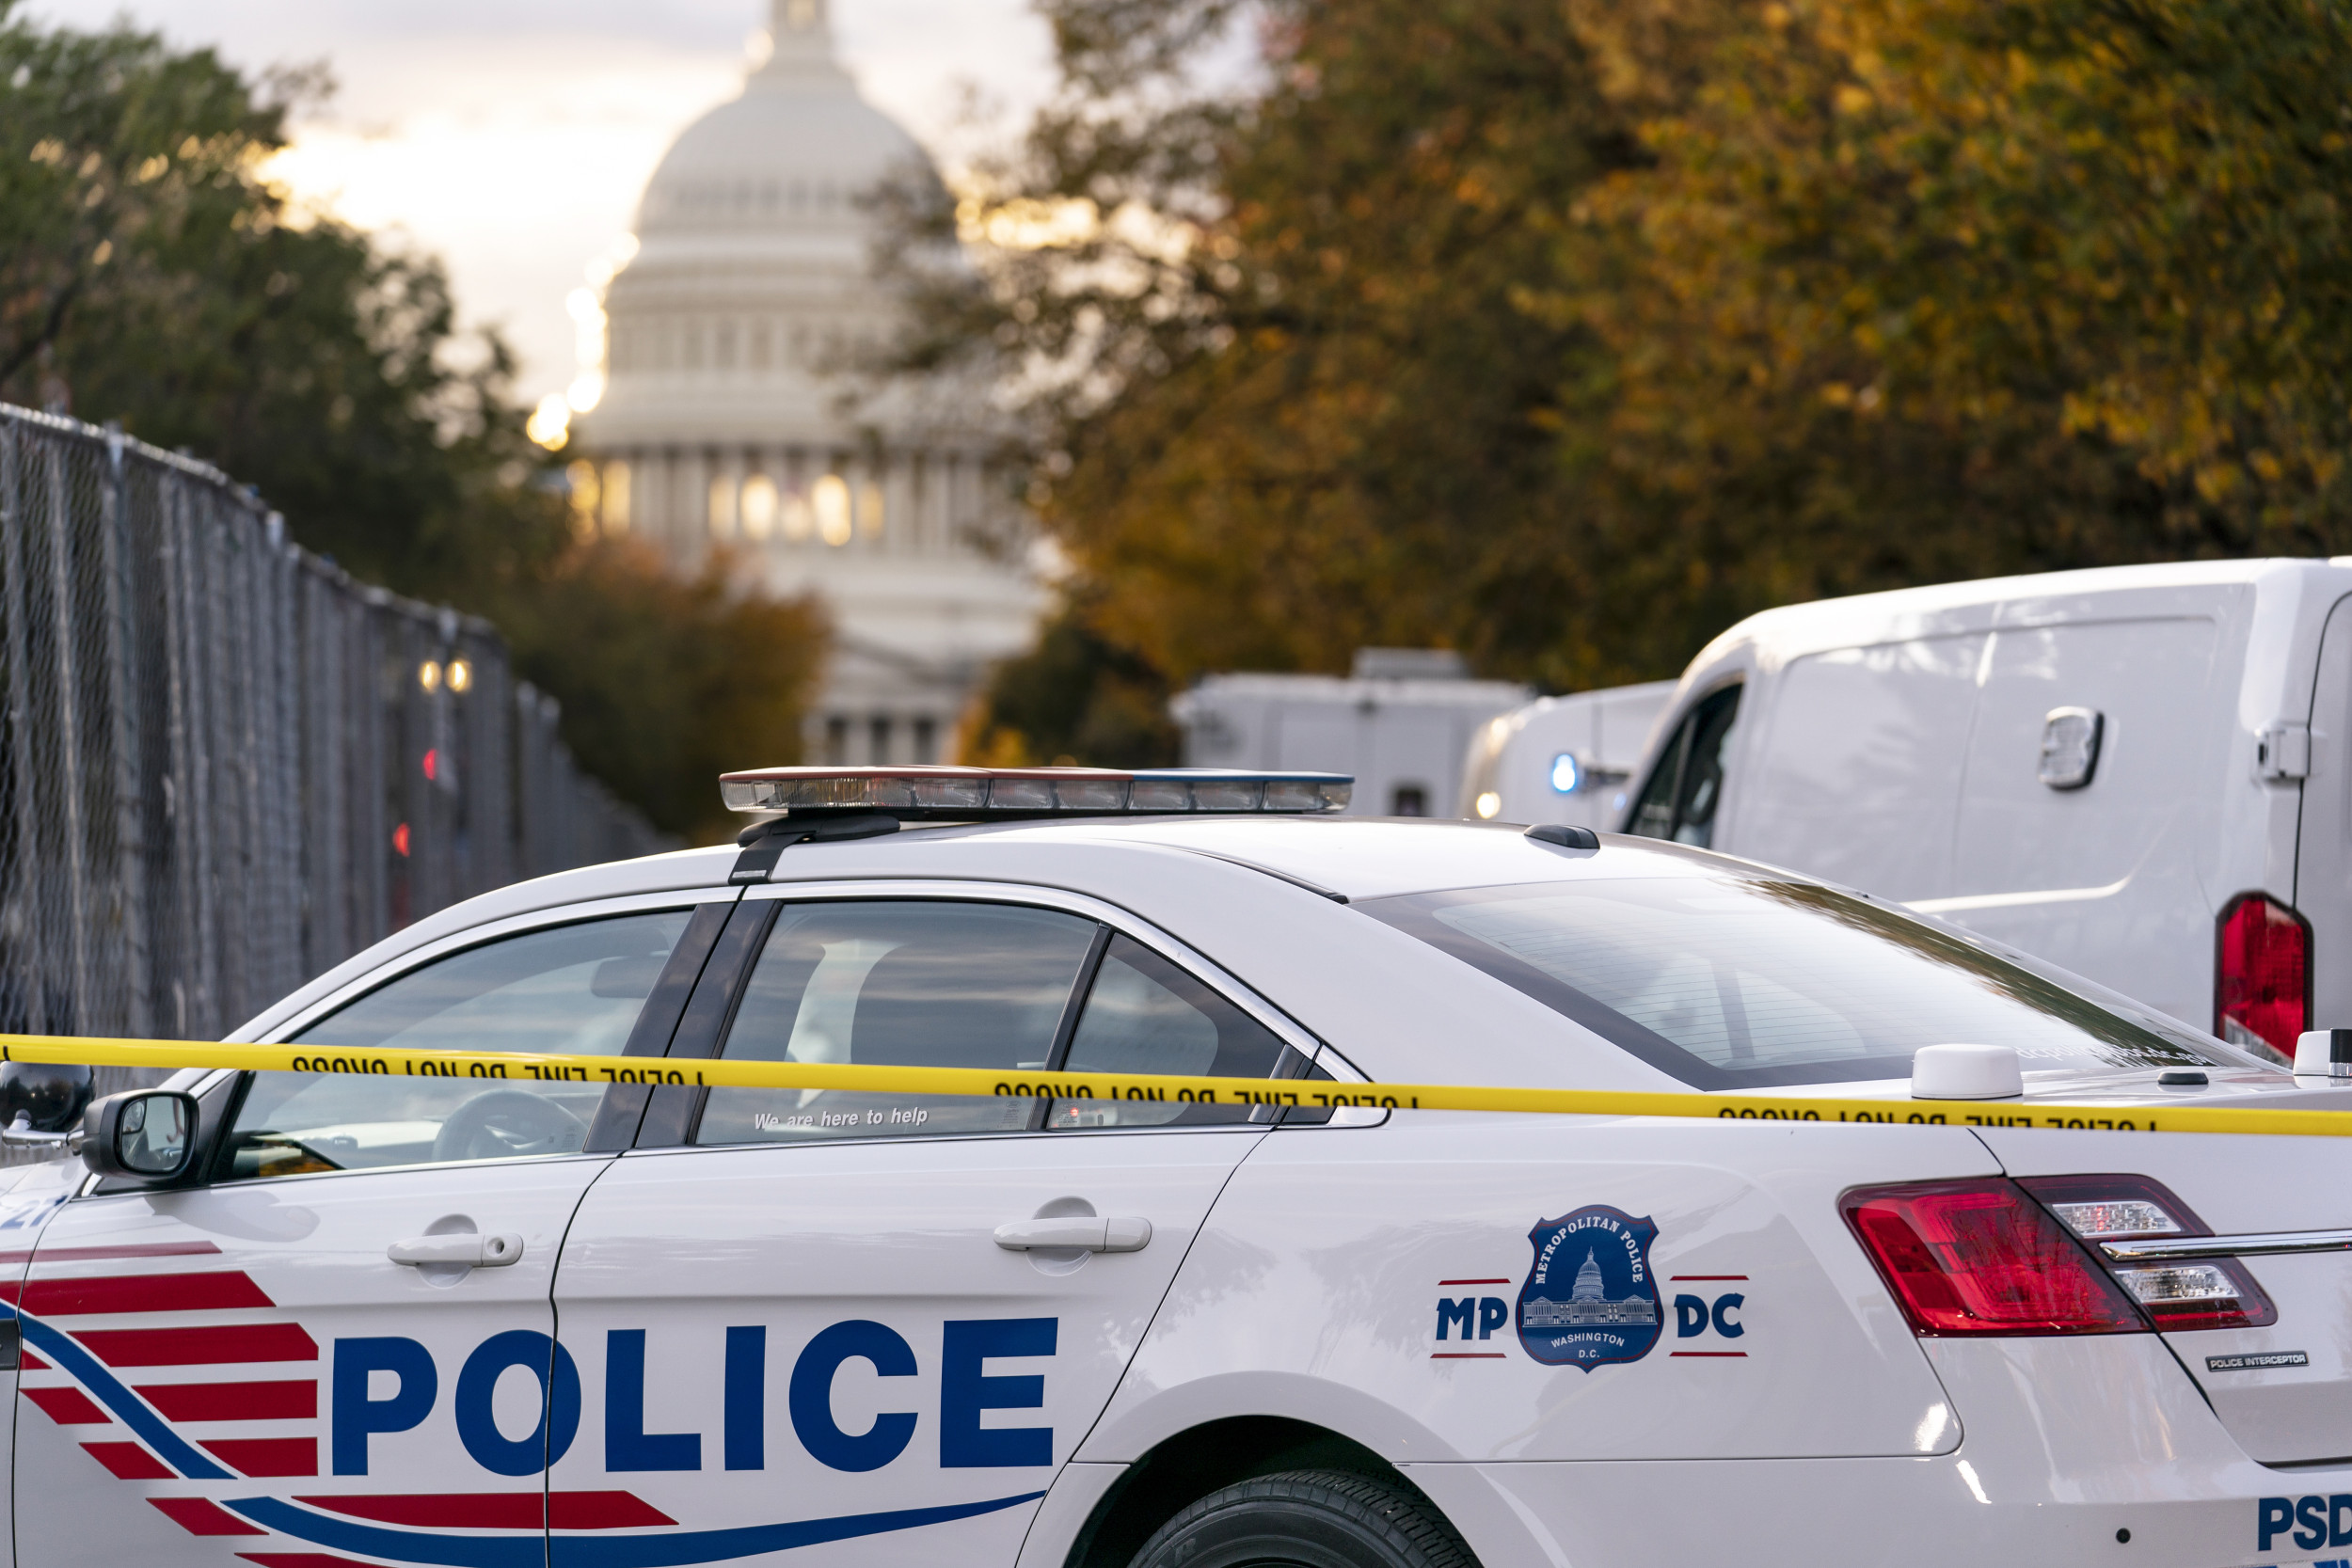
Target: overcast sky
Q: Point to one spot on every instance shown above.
(512, 136)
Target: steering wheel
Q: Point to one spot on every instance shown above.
(501, 1123)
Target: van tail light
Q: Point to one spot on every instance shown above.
(1982, 1257)
(2262, 989)
(2202, 1293)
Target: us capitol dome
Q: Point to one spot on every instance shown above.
(722, 420)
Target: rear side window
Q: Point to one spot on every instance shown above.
(899, 983)
(1683, 791)
(1730, 983)
(1002, 988)
(1145, 1015)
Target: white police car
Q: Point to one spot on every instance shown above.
(427, 1322)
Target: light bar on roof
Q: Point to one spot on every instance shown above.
(938, 793)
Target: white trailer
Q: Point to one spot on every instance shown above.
(1562, 759)
(1399, 724)
(2143, 773)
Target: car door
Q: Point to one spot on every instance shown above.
(798, 1328)
(242, 1367)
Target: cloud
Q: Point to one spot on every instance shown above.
(512, 136)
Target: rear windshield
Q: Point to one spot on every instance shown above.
(1729, 982)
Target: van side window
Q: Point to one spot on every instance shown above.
(1684, 790)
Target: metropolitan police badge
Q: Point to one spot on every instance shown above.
(1590, 1298)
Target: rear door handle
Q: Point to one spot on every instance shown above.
(465, 1248)
(1076, 1233)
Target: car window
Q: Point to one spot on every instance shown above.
(903, 983)
(1143, 1014)
(1684, 790)
(1733, 982)
(575, 990)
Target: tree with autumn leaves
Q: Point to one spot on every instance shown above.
(1565, 332)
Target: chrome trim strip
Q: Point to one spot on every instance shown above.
(2160, 1249)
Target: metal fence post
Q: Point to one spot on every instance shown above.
(137, 1011)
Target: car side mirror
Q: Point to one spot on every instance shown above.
(144, 1135)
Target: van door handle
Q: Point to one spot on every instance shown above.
(465, 1248)
(1076, 1233)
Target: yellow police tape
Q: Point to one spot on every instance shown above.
(81, 1050)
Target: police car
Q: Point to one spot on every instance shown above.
(428, 1321)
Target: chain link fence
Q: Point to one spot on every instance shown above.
(225, 766)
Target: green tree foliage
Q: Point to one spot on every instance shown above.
(1076, 695)
(675, 680)
(150, 275)
(1567, 332)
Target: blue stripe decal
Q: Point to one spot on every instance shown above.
(350, 1535)
(126, 1407)
(569, 1551)
(718, 1545)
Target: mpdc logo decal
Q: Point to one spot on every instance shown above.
(1590, 1298)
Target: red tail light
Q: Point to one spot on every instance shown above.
(2201, 1292)
(2263, 981)
(1981, 1256)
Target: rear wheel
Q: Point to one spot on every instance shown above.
(1307, 1519)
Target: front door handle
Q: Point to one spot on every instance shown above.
(1075, 1233)
(465, 1248)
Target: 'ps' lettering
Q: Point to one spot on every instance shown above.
(382, 1386)
(2313, 1521)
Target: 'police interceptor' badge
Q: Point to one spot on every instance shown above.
(1590, 1298)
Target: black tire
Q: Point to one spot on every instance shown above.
(1307, 1519)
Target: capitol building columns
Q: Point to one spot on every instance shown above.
(719, 426)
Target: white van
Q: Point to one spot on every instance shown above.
(2141, 773)
(1562, 759)
(1397, 723)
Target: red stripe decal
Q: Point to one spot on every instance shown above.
(200, 1517)
(128, 1461)
(199, 1347)
(143, 1292)
(68, 1407)
(1711, 1355)
(602, 1510)
(233, 1402)
(32, 1363)
(455, 1510)
(1467, 1355)
(1444, 1283)
(103, 1254)
(302, 1560)
(269, 1456)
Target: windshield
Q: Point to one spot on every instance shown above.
(1729, 982)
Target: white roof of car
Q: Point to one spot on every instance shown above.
(1251, 896)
